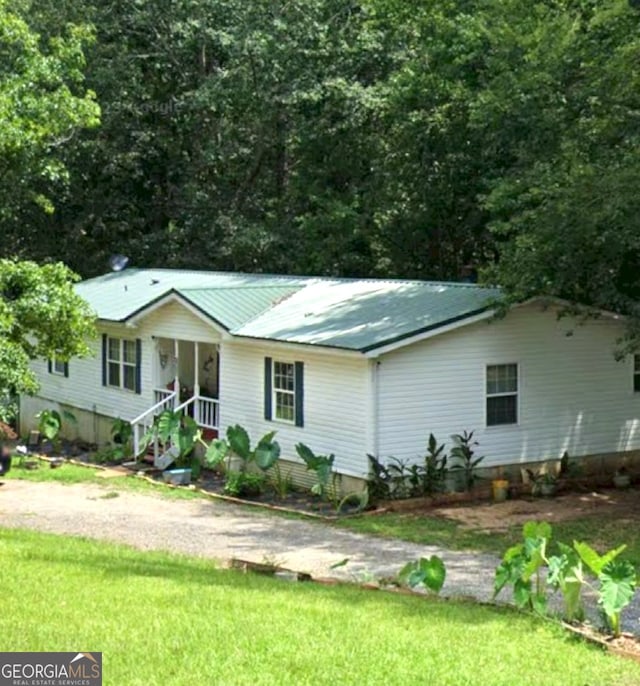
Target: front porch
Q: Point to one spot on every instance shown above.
(185, 379)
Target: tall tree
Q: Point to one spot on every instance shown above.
(42, 106)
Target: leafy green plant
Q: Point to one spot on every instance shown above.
(380, 480)
(617, 581)
(464, 453)
(50, 424)
(178, 434)
(566, 575)
(522, 565)
(541, 478)
(243, 484)
(427, 572)
(122, 436)
(435, 467)
(264, 455)
(281, 482)
(322, 465)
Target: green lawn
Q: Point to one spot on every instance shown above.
(602, 531)
(162, 619)
(70, 473)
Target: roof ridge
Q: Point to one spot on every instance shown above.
(291, 277)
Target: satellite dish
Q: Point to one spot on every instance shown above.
(118, 262)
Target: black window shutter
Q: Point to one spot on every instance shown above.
(267, 387)
(66, 369)
(299, 380)
(138, 366)
(104, 359)
(49, 366)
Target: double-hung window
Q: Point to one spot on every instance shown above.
(636, 373)
(58, 367)
(283, 391)
(502, 394)
(121, 363)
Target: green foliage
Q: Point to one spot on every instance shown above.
(216, 452)
(264, 455)
(281, 482)
(617, 581)
(243, 484)
(617, 587)
(428, 572)
(239, 442)
(178, 434)
(49, 423)
(522, 565)
(122, 436)
(40, 317)
(322, 465)
(43, 103)
(566, 574)
(466, 463)
(565, 571)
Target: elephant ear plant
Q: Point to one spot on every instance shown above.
(50, 425)
(265, 455)
(427, 572)
(322, 465)
(178, 434)
(565, 571)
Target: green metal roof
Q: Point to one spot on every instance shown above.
(355, 314)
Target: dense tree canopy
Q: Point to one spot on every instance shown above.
(378, 137)
(42, 106)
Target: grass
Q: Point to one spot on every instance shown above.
(599, 530)
(70, 473)
(160, 618)
(424, 529)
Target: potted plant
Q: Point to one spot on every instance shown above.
(621, 477)
(548, 484)
(500, 489)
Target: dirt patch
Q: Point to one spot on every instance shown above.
(499, 517)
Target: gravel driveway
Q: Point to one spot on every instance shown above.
(222, 531)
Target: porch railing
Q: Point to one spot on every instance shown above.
(144, 421)
(204, 410)
(161, 394)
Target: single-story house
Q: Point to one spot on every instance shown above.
(348, 366)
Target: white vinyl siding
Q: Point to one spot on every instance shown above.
(336, 418)
(502, 394)
(572, 393)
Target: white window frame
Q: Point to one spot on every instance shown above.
(635, 373)
(277, 392)
(58, 367)
(122, 364)
(488, 396)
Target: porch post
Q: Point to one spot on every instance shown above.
(196, 382)
(176, 380)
